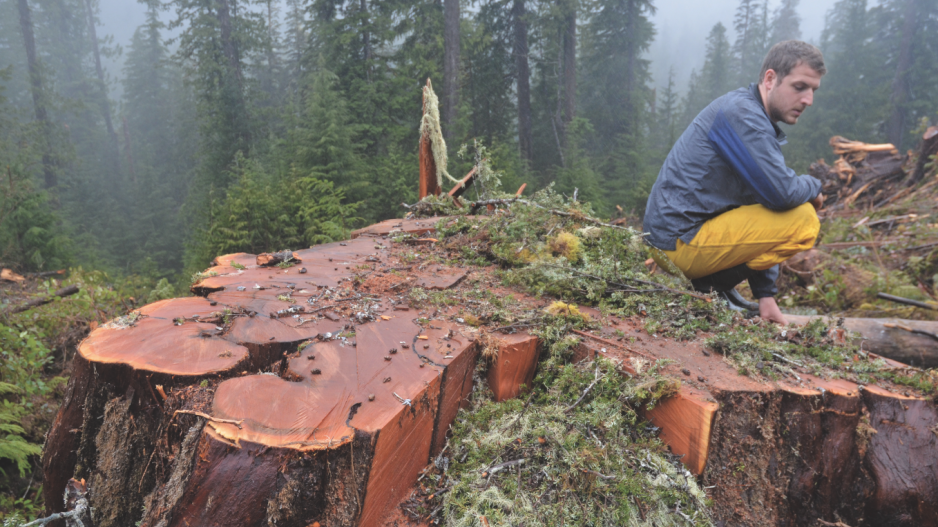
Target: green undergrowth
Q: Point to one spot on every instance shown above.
(35, 347)
(588, 457)
(899, 260)
(570, 257)
(552, 246)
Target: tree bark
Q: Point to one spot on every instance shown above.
(114, 153)
(520, 51)
(128, 148)
(366, 40)
(35, 84)
(895, 125)
(450, 66)
(569, 71)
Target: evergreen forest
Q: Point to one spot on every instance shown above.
(254, 125)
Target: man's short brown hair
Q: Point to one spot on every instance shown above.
(784, 56)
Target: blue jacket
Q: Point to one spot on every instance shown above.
(728, 157)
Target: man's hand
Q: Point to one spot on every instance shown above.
(768, 310)
(818, 202)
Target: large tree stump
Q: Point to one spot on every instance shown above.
(284, 397)
(315, 393)
(791, 451)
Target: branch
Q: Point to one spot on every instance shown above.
(36, 302)
(907, 301)
(585, 392)
(503, 466)
(74, 515)
(593, 472)
(207, 417)
(911, 330)
(823, 523)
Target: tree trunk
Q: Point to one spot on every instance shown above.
(129, 149)
(114, 149)
(224, 410)
(520, 51)
(366, 40)
(232, 54)
(895, 124)
(569, 71)
(450, 66)
(39, 102)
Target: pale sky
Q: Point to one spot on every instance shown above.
(682, 27)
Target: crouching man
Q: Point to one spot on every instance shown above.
(725, 208)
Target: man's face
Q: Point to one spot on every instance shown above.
(787, 99)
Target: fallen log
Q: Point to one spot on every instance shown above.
(36, 302)
(882, 336)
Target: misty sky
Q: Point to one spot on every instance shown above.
(682, 27)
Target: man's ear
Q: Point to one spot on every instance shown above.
(769, 79)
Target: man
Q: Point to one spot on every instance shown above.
(725, 208)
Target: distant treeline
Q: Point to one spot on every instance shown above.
(271, 124)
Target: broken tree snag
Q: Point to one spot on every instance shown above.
(889, 338)
(927, 151)
(429, 184)
(514, 365)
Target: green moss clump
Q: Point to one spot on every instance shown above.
(588, 458)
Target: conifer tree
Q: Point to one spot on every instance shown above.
(786, 24)
(714, 79)
(159, 145)
(615, 94)
(751, 26)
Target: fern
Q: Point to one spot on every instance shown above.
(12, 444)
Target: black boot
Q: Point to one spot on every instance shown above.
(722, 280)
(737, 302)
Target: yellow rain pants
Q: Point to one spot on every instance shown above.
(752, 234)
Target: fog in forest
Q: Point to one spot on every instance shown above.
(144, 138)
